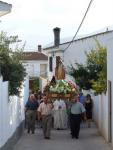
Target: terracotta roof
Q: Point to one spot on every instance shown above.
(34, 56)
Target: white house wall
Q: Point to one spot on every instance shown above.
(103, 115)
(96, 109)
(11, 112)
(1, 111)
(77, 48)
(4, 125)
(33, 67)
(110, 73)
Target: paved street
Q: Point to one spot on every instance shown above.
(61, 140)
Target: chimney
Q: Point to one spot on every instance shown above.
(56, 36)
(39, 48)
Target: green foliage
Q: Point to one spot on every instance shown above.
(92, 74)
(81, 75)
(100, 58)
(35, 84)
(12, 69)
(17, 74)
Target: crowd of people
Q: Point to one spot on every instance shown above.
(59, 114)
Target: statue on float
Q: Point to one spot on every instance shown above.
(59, 70)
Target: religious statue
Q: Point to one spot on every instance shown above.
(59, 70)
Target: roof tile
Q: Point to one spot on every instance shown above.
(34, 56)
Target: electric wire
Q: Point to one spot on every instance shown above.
(89, 5)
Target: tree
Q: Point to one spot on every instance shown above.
(99, 57)
(35, 84)
(81, 75)
(12, 69)
(92, 74)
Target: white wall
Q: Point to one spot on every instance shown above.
(77, 48)
(0, 111)
(110, 73)
(33, 67)
(11, 112)
(100, 114)
(96, 109)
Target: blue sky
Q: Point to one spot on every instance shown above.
(33, 21)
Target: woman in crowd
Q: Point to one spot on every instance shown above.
(88, 107)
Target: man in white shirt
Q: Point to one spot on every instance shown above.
(45, 112)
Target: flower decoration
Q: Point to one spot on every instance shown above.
(61, 86)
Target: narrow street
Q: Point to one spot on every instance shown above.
(61, 140)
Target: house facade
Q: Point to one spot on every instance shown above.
(36, 65)
(103, 105)
(5, 8)
(76, 51)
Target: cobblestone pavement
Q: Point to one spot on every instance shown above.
(89, 139)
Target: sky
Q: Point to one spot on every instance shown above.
(33, 20)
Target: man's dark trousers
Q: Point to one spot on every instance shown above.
(75, 120)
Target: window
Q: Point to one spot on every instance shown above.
(50, 64)
(43, 70)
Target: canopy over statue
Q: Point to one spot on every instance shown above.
(59, 70)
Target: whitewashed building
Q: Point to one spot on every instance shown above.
(11, 108)
(103, 105)
(11, 114)
(5, 8)
(36, 65)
